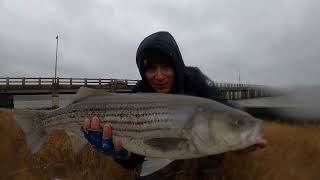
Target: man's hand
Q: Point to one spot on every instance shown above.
(262, 143)
(101, 139)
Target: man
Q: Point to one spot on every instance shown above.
(163, 71)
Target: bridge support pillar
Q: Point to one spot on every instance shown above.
(227, 95)
(6, 101)
(55, 99)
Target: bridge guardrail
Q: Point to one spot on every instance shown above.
(47, 85)
(6, 81)
(49, 81)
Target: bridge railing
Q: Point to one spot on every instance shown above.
(25, 81)
(236, 85)
(48, 85)
(230, 85)
(63, 81)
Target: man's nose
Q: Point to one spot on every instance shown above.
(159, 74)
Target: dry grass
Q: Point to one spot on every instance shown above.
(293, 153)
(55, 159)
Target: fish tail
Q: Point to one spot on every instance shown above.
(31, 124)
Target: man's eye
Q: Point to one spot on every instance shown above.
(165, 66)
(151, 69)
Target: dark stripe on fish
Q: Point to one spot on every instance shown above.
(106, 108)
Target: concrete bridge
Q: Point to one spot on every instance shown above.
(9, 87)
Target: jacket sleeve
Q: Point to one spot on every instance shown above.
(134, 161)
(207, 89)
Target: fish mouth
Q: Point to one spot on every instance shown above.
(251, 138)
(256, 136)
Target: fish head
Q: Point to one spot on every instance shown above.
(215, 132)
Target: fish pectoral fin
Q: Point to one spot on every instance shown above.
(77, 141)
(84, 92)
(152, 165)
(165, 143)
(31, 124)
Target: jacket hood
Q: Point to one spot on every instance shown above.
(165, 43)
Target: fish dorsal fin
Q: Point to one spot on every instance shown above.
(165, 143)
(30, 122)
(84, 92)
(151, 165)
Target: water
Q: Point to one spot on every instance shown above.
(292, 107)
(39, 101)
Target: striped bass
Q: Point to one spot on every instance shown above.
(162, 126)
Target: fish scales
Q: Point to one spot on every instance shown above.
(136, 116)
(154, 125)
(108, 108)
(157, 125)
(124, 120)
(136, 121)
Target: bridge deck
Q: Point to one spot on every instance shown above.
(71, 85)
(32, 86)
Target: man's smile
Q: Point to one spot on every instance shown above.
(161, 85)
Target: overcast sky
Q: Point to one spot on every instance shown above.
(270, 42)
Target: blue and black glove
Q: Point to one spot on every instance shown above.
(105, 146)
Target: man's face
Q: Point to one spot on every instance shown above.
(160, 77)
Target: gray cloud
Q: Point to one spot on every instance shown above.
(270, 42)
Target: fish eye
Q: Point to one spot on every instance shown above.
(200, 109)
(238, 123)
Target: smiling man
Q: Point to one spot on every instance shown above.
(159, 71)
(163, 71)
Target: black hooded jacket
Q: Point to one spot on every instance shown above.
(188, 80)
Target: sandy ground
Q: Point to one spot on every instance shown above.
(293, 153)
